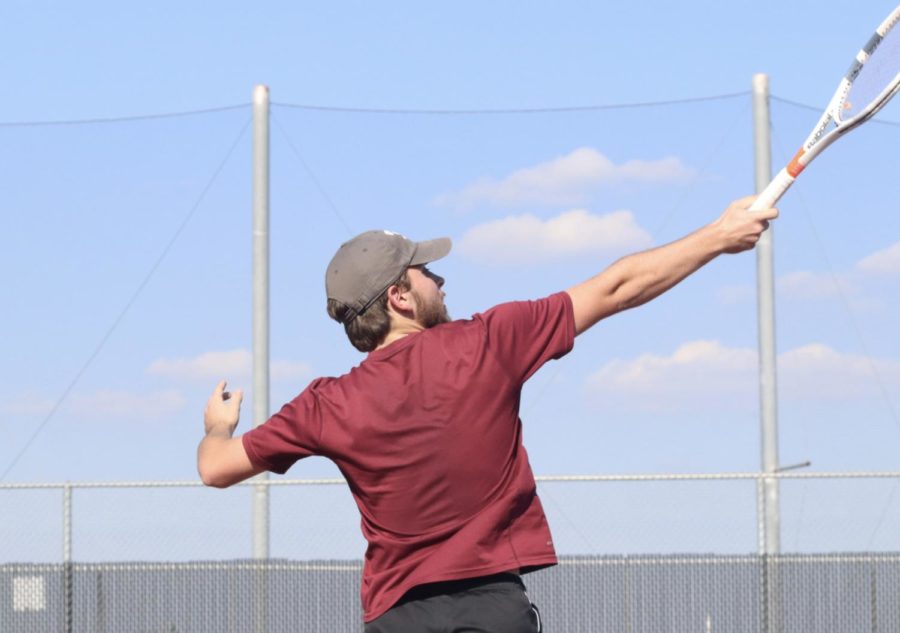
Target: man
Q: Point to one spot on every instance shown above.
(426, 429)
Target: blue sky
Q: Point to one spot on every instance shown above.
(93, 257)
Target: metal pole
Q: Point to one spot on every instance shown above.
(260, 331)
(765, 270)
(68, 589)
(768, 398)
(67, 523)
(260, 303)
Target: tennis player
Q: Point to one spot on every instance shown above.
(426, 428)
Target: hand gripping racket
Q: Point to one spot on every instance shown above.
(873, 78)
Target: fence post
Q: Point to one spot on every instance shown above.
(67, 558)
(873, 589)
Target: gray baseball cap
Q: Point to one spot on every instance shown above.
(366, 266)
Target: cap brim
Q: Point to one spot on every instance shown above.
(430, 250)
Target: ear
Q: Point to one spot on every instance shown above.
(400, 301)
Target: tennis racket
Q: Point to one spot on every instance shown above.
(873, 78)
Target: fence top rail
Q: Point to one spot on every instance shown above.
(541, 479)
(642, 560)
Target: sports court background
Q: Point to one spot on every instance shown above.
(662, 553)
(644, 554)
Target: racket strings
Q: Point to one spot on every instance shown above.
(877, 76)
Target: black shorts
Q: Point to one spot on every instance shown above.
(490, 604)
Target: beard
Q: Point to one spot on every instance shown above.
(432, 312)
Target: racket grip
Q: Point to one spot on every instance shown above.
(773, 191)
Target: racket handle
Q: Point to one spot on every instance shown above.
(773, 191)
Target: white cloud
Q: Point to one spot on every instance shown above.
(232, 365)
(28, 403)
(817, 371)
(528, 239)
(697, 369)
(104, 403)
(123, 404)
(799, 284)
(803, 284)
(884, 262)
(709, 374)
(565, 180)
(208, 366)
(807, 285)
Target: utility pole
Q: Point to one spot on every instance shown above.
(769, 521)
(260, 335)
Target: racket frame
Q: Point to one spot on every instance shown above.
(831, 126)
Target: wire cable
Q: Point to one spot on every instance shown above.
(370, 110)
(124, 119)
(818, 110)
(318, 185)
(134, 296)
(489, 111)
(420, 111)
(704, 168)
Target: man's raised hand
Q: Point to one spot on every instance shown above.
(223, 410)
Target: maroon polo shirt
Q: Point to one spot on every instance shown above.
(427, 433)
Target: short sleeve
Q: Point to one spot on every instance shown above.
(289, 435)
(523, 335)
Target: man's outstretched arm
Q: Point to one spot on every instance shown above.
(221, 458)
(636, 279)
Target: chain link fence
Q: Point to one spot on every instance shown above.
(641, 553)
